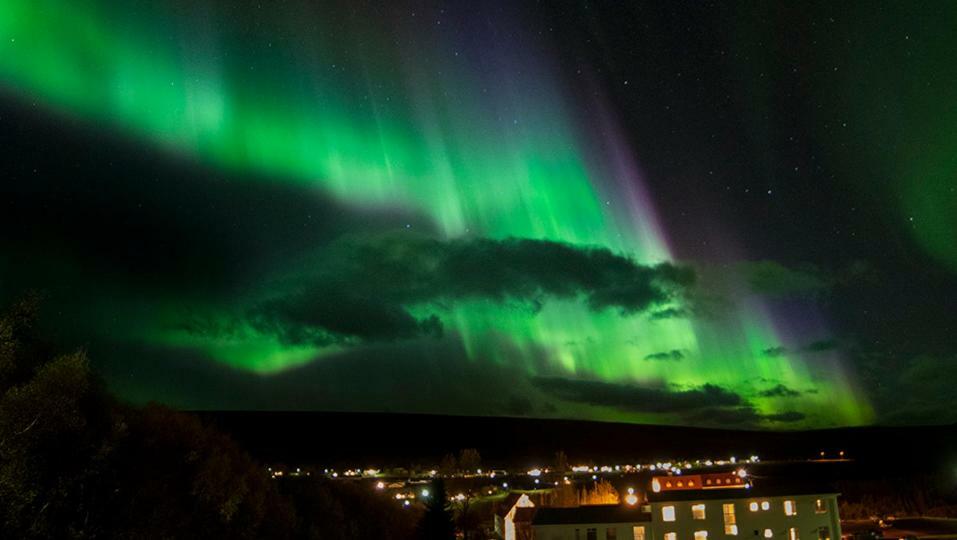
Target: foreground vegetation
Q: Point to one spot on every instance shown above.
(74, 463)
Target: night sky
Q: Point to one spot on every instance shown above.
(737, 215)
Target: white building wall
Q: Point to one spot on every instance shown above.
(751, 525)
(623, 531)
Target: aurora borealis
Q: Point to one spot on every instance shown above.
(617, 213)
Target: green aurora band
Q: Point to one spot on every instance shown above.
(486, 147)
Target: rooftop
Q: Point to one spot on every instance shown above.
(605, 513)
(758, 489)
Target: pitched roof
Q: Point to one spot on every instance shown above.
(764, 488)
(593, 514)
(507, 503)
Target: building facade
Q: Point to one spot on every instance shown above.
(513, 519)
(723, 506)
(597, 522)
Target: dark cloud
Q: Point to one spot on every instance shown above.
(633, 398)
(908, 390)
(821, 345)
(674, 355)
(785, 417)
(775, 352)
(363, 289)
(105, 211)
(743, 416)
(329, 316)
(779, 391)
(774, 279)
(518, 406)
(410, 376)
(669, 313)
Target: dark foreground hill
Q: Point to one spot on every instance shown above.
(355, 439)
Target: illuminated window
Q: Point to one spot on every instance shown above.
(768, 533)
(638, 532)
(612, 534)
(753, 506)
(824, 533)
(820, 507)
(671, 536)
(667, 513)
(730, 523)
(792, 534)
(701, 535)
(765, 505)
(697, 511)
(790, 509)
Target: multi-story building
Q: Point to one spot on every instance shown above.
(724, 506)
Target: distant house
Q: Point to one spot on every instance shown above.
(721, 506)
(513, 519)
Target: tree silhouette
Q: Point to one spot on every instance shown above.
(469, 460)
(437, 521)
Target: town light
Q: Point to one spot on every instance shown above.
(380, 485)
(631, 499)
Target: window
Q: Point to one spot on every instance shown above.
(753, 506)
(792, 534)
(671, 536)
(768, 533)
(765, 505)
(591, 534)
(701, 535)
(638, 532)
(730, 523)
(824, 533)
(612, 534)
(789, 508)
(578, 534)
(667, 513)
(820, 507)
(697, 511)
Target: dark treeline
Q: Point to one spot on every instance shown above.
(74, 463)
(914, 495)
